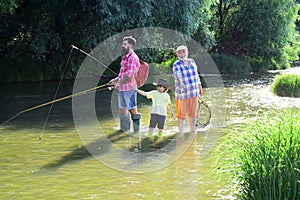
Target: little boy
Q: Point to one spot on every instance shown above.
(160, 100)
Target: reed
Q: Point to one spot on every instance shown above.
(286, 85)
(263, 157)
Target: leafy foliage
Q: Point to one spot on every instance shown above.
(231, 64)
(262, 31)
(8, 6)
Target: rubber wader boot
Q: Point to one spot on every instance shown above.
(124, 122)
(136, 118)
(180, 125)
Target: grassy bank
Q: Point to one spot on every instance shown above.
(263, 157)
(286, 85)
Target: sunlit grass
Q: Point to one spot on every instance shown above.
(286, 85)
(263, 157)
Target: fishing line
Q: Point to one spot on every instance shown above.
(95, 59)
(55, 95)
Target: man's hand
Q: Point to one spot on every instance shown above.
(117, 84)
(200, 90)
(113, 81)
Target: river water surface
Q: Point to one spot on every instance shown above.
(58, 166)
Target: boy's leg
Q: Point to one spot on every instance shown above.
(160, 125)
(150, 133)
(160, 133)
(152, 125)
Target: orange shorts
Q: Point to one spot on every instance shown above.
(186, 107)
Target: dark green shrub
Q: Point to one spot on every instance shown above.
(26, 69)
(286, 85)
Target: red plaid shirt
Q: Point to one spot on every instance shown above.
(129, 67)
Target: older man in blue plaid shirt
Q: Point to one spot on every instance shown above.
(187, 88)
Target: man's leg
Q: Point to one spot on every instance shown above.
(124, 115)
(124, 120)
(180, 115)
(136, 119)
(135, 116)
(192, 109)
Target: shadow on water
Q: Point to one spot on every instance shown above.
(102, 146)
(147, 145)
(97, 147)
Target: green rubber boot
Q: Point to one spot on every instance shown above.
(124, 122)
(136, 118)
(159, 134)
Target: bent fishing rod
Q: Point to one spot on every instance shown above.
(69, 96)
(60, 99)
(95, 59)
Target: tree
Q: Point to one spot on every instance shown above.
(8, 6)
(45, 29)
(263, 31)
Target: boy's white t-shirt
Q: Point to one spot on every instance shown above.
(159, 102)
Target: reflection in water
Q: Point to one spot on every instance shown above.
(66, 169)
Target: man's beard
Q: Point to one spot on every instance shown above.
(124, 51)
(183, 58)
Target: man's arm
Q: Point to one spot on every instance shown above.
(177, 75)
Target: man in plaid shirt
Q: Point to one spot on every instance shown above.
(126, 84)
(187, 88)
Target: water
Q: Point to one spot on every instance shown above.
(59, 167)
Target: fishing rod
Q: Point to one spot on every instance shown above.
(60, 99)
(95, 59)
(69, 96)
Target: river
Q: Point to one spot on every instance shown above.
(49, 160)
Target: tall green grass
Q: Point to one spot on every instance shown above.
(263, 157)
(286, 85)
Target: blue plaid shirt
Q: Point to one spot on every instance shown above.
(190, 78)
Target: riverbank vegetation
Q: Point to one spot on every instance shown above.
(241, 35)
(286, 85)
(263, 157)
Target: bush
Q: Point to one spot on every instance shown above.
(231, 64)
(26, 69)
(286, 85)
(264, 157)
